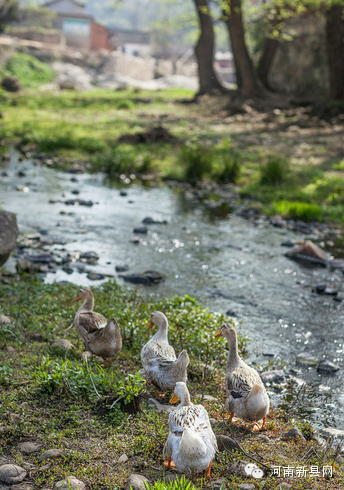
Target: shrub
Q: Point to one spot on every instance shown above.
(298, 210)
(231, 169)
(28, 70)
(197, 160)
(274, 171)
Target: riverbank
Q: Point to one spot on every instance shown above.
(284, 161)
(51, 402)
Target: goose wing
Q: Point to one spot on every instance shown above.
(91, 321)
(160, 352)
(240, 381)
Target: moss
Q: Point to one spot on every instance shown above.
(28, 69)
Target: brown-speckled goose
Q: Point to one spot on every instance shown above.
(86, 319)
(247, 397)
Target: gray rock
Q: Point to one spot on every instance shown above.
(62, 344)
(22, 486)
(40, 258)
(307, 359)
(89, 257)
(283, 486)
(121, 268)
(123, 459)
(147, 277)
(95, 276)
(332, 432)
(226, 443)
(238, 468)
(276, 376)
(51, 454)
(293, 433)
(8, 234)
(246, 486)
(327, 367)
(70, 483)
(217, 484)
(151, 221)
(11, 473)
(142, 230)
(263, 438)
(175, 478)
(29, 447)
(309, 254)
(136, 482)
(4, 319)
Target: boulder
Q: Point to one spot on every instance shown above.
(148, 278)
(29, 447)
(8, 234)
(11, 473)
(310, 254)
(51, 454)
(70, 483)
(136, 482)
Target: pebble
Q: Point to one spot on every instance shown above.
(95, 276)
(136, 482)
(141, 230)
(217, 484)
(29, 447)
(123, 193)
(246, 486)
(62, 344)
(147, 277)
(263, 438)
(78, 202)
(70, 483)
(276, 376)
(89, 257)
(123, 459)
(36, 337)
(51, 454)
(11, 473)
(10, 349)
(238, 468)
(293, 433)
(326, 366)
(283, 486)
(5, 319)
(151, 221)
(307, 359)
(122, 268)
(22, 486)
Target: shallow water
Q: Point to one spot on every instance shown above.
(227, 263)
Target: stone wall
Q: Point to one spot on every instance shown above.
(300, 66)
(49, 36)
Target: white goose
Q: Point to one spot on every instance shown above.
(159, 361)
(247, 397)
(191, 444)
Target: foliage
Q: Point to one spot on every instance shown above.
(8, 12)
(28, 69)
(57, 376)
(180, 484)
(274, 171)
(298, 210)
(198, 161)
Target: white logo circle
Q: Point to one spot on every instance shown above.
(253, 470)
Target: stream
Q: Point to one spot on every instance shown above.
(226, 262)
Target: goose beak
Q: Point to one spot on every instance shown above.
(218, 334)
(150, 325)
(76, 299)
(174, 399)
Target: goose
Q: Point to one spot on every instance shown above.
(160, 364)
(247, 397)
(191, 444)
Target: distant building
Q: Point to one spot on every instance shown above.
(78, 27)
(135, 43)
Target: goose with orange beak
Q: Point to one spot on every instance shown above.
(160, 364)
(99, 336)
(247, 397)
(191, 444)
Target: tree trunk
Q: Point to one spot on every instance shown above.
(265, 62)
(335, 50)
(248, 81)
(204, 51)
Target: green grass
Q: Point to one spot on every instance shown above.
(84, 128)
(65, 412)
(29, 70)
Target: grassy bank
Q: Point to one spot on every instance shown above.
(63, 409)
(285, 160)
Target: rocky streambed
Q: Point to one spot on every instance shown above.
(77, 228)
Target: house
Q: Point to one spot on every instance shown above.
(78, 27)
(135, 43)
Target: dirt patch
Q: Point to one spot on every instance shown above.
(156, 134)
